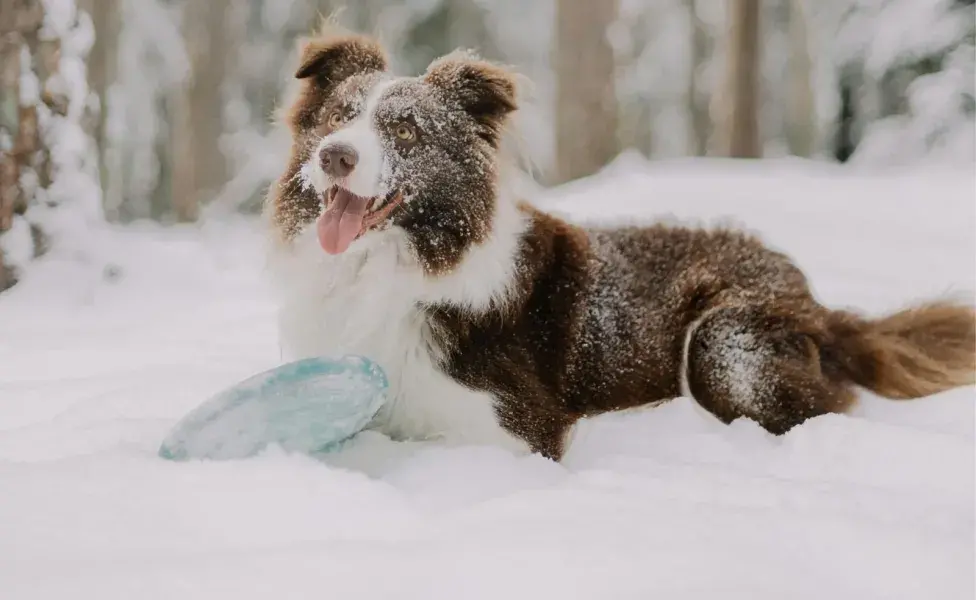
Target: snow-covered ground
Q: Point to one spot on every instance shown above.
(96, 363)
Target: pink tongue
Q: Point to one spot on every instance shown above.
(341, 222)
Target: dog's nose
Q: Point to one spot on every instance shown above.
(338, 160)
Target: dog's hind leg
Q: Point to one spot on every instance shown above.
(762, 362)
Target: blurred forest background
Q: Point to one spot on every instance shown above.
(123, 110)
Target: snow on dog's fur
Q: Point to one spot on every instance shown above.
(396, 237)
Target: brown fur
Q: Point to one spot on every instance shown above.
(913, 353)
(606, 319)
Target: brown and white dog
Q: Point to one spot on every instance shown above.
(397, 237)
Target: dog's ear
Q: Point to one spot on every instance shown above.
(484, 90)
(331, 59)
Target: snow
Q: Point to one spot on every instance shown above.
(99, 357)
(16, 244)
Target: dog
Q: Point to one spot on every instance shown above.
(396, 235)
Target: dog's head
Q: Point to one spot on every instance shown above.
(373, 152)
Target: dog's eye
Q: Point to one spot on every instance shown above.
(405, 132)
(335, 119)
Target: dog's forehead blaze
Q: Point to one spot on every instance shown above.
(353, 92)
(354, 87)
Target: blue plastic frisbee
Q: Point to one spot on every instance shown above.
(311, 406)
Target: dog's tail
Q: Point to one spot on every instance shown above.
(916, 352)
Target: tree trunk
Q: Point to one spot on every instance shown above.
(635, 111)
(698, 102)
(701, 123)
(845, 136)
(741, 138)
(800, 113)
(586, 102)
(199, 164)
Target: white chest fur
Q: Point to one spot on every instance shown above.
(364, 302)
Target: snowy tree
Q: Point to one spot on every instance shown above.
(150, 62)
(103, 67)
(50, 196)
(899, 75)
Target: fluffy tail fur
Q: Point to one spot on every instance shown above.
(913, 353)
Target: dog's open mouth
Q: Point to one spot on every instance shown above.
(348, 216)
